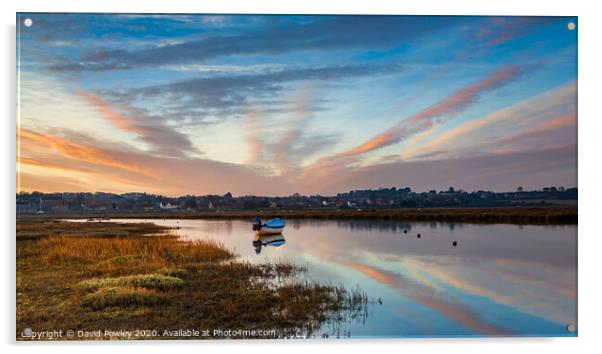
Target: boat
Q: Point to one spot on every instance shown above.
(271, 227)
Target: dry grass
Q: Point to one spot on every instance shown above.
(147, 281)
(120, 296)
(35, 227)
(114, 276)
(129, 252)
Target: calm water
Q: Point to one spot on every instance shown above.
(498, 280)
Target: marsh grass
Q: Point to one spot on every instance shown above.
(147, 281)
(115, 276)
(487, 215)
(126, 254)
(120, 296)
(36, 227)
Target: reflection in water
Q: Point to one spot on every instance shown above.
(498, 280)
(261, 241)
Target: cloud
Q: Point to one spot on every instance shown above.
(162, 139)
(50, 184)
(80, 152)
(133, 169)
(494, 34)
(487, 171)
(555, 132)
(500, 30)
(101, 30)
(319, 33)
(231, 92)
(283, 143)
(295, 144)
(207, 100)
(252, 137)
(538, 115)
(424, 120)
(440, 111)
(142, 171)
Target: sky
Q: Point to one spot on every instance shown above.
(283, 104)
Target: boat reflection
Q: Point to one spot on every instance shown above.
(262, 241)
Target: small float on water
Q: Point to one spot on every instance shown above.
(271, 227)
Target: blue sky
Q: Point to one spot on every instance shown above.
(195, 104)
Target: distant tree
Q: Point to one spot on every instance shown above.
(561, 188)
(451, 190)
(190, 203)
(249, 204)
(519, 189)
(264, 203)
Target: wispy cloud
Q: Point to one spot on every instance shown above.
(162, 139)
(143, 171)
(422, 121)
(440, 111)
(80, 152)
(537, 111)
(227, 95)
(495, 34)
(252, 137)
(501, 30)
(321, 33)
(284, 144)
(486, 171)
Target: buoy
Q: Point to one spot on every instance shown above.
(455, 243)
(418, 235)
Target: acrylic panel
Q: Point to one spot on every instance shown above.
(216, 176)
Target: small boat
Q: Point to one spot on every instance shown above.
(271, 227)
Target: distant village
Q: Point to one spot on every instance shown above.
(41, 203)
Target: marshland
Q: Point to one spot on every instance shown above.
(323, 277)
(121, 276)
(558, 215)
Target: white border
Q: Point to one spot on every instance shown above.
(590, 200)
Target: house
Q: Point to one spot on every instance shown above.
(168, 206)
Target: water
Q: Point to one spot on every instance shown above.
(498, 280)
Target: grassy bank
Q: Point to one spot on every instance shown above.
(519, 215)
(109, 276)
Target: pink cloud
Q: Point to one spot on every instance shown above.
(161, 138)
(448, 107)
